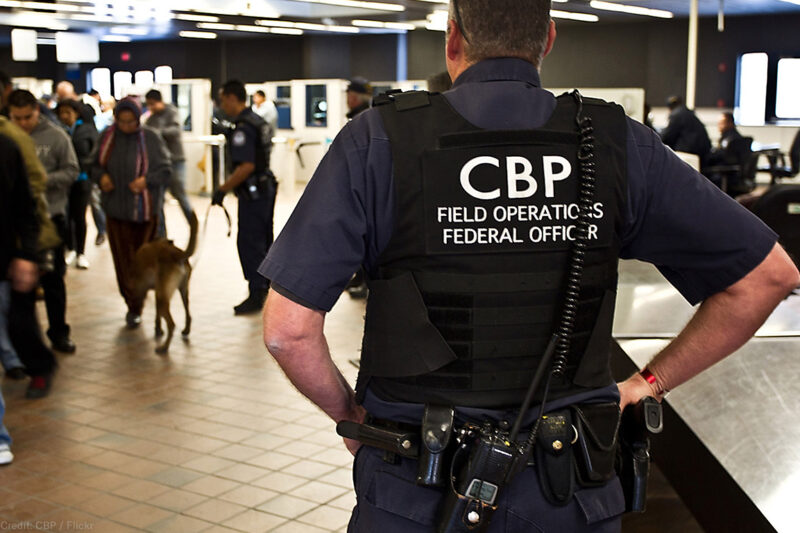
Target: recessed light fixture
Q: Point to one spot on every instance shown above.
(196, 18)
(583, 17)
(632, 10)
(380, 6)
(198, 34)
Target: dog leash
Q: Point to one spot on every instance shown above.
(227, 217)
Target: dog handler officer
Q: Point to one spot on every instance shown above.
(462, 318)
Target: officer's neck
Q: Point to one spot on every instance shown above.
(239, 109)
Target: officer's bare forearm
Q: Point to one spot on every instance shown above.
(725, 321)
(294, 336)
(240, 173)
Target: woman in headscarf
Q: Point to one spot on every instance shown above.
(132, 166)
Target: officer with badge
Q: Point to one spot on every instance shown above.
(490, 219)
(250, 144)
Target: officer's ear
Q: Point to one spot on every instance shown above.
(455, 42)
(551, 38)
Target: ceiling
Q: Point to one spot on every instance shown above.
(122, 20)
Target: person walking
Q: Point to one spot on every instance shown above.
(131, 167)
(84, 139)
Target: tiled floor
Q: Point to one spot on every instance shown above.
(211, 438)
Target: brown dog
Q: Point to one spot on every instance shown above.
(162, 266)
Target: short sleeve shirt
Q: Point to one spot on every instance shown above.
(698, 237)
(243, 141)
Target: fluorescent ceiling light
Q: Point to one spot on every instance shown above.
(252, 29)
(276, 23)
(583, 17)
(633, 10)
(46, 42)
(115, 39)
(31, 19)
(196, 18)
(286, 31)
(215, 26)
(124, 30)
(198, 34)
(380, 6)
(380, 24)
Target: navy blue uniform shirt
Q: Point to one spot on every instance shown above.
(699, 238)
(243, 141)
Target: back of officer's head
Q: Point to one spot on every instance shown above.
(503, 28)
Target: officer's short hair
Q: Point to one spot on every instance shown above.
(728, 116)
(503, 28)
(154, 95)
(235, 88)
(261, 93)
(22, 98)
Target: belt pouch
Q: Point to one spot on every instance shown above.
(553, 458)
(595, 450)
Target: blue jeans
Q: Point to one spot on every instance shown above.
(5, 438)
(8, 356)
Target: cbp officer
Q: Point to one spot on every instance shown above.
(255, 186)
(463, 208)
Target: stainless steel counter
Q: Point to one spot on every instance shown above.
(746, 409)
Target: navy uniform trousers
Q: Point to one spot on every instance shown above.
(388, 501)
(255, 234)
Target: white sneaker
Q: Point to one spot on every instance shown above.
(70, 257)
(5, 455)
(82, 262)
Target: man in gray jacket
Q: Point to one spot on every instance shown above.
(165, 120)
(55, 151)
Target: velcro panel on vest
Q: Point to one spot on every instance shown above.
(397, 316)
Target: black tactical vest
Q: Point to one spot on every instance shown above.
(470, 288)
(263, 139)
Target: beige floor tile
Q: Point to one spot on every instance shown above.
(326, 516)
(141, 516)
(175, 476)
(254, 522)
(288, 506)
(177, 500)
(208, 464)
(215, 511)
(210, 486)
(273, 460)
(242, 473)
(278, 481)
(318, 491)
(298, 527)
(248, 495)
(180, 524)
(140, 490)
(105, 505)
(309, 469)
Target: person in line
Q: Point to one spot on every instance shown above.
(684, 131)
(255, 186)
(462, 324)
(265, 108)
(84, 140)
(23, 324)
(131, 167)
(19, 231)
(55, 151)
(164, 119)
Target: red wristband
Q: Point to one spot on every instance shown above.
(648, 376)
(651, 379)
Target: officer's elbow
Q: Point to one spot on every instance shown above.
(289, 328)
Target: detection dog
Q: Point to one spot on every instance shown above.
(162, 266)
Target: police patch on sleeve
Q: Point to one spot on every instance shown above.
(239, 138)
(521, 198)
